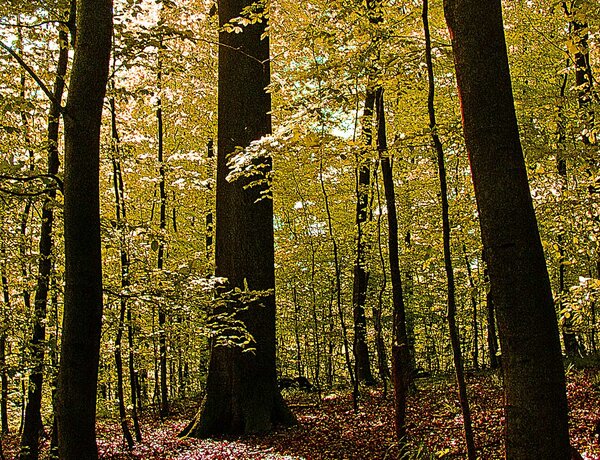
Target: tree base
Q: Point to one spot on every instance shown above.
(213, 419)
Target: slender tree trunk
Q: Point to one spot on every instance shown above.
(454, 335)
(162, 316)
(535, 395)
(33, 426)
(120, 216)
(4, 428)
(82, 320)
(382, 359)
(338, 292)
(133, 377)
(361, 274)
(209, 214)
(473, 296)
(401, 369)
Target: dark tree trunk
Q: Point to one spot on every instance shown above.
(473, 296)
(242, 394)
(382, 359)
(535, 395)
(451, 313)
(401, 368)
(492, 337)
(120, 215)
(338, 293)
(33, 426)
(82, 320)
(162, 316)
(362, 362)
(210, 153)
(3, 371)
(136, 399)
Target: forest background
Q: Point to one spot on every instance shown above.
(157, 191)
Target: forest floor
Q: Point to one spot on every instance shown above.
(332, 430)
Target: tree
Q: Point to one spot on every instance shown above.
(32, 424)
(78, 373)
(241, 393)
(535, 394)
(446, 236)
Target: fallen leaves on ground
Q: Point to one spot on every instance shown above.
(331, 429)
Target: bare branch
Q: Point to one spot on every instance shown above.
(31, 72)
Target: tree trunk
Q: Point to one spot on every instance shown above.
(3, 371)
(120, 215)
(361, 275)
(162, 316)
(241, 393)
(401, 369)
(453, 328)
(382, 359)
(82, 320)
(492, 337)
(33, 426)
(535, 396)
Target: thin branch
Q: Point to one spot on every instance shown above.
(28, 194)
(31, 72)
(55, 178)
(32, 26)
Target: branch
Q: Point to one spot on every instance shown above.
(28, 194)
(55, 178)
(31, 72)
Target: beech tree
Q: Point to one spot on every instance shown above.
(241, 393)
(82, 320)
(534, 381)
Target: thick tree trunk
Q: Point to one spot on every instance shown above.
(535, 396)
(33, 426)
(242, 394)
(82, 320)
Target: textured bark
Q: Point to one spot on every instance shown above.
(242, 394)
(32, 425)
(82, 320)
(535, 395)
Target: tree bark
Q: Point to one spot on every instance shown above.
(401, 368)
(162, 316)
(241, 393)
(362, 362)
(535, 396)
(82, 320)
(33, 426)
